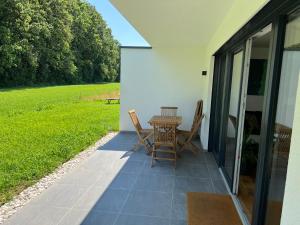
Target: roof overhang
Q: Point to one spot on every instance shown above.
(168, 23)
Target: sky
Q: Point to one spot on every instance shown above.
(121, 28)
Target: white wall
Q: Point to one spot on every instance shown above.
(291, 203)
(151, 78)
(291, 72)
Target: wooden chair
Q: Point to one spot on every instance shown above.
(185, 138)
(164, 142)
(168, 111)
(144, 135)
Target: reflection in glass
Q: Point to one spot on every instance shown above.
(284, 120)
(231, 135)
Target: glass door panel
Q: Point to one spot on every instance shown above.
(289, 83)
(232, 120)
(216, 104)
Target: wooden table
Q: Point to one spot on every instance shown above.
(172, 120)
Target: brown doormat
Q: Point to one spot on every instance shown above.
(211, 209)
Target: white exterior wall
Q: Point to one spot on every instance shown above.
(291, 203)
(151, 78)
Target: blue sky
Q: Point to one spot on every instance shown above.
(121, 29)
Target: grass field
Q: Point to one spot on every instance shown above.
(41, 128)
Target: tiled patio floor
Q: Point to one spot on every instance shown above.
(117, 187)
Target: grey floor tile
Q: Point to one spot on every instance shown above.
(159, 168)
(192, 170)
(111, 200)
(60, 195)
(155, 183)
(179, 198)
(107, 179)
(179, 211)
(189, 157)
(121, 142)
(186, 184)
(139, 155)
(140, 220)
(99, 218)
(124, 181)
(90, 198)
(214, 172)
(146, 203)
(81, 176)
(209, 159)
(179, 222)
(133, 167)
(219, 187)
(101, 160)
(37, 215)
(74, 217)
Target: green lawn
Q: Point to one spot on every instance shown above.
(41, 128)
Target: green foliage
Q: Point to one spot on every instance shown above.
(55, 42)
(43, 127)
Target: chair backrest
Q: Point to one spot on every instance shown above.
(168, 111)
(195, 128)
(164, 134)
(135, 120)
(198, 115)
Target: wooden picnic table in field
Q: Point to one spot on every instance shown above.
(109, 100)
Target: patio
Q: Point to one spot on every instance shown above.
(116, 186)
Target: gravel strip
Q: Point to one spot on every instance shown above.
(11, 207)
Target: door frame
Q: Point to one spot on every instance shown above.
(244, 95)
(225, 111)
(242, 111)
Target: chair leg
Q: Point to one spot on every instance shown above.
(195, 146)
(135, 147)
(147, 145)
(152, 158)
(196, 149)
(175, 161)
(182, 148)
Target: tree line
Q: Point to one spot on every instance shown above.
(55, 42)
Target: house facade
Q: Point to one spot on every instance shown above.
(242, 58)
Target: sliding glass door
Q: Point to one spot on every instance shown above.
(265, 109)
(232, 120)
(287, 95)
(218, 85)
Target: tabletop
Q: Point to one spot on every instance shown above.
(176, 120)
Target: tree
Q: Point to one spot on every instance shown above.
(55, 42)
(96, 52)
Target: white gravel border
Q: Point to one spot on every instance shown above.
(11, 207)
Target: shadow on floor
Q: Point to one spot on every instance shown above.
(118, 187)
